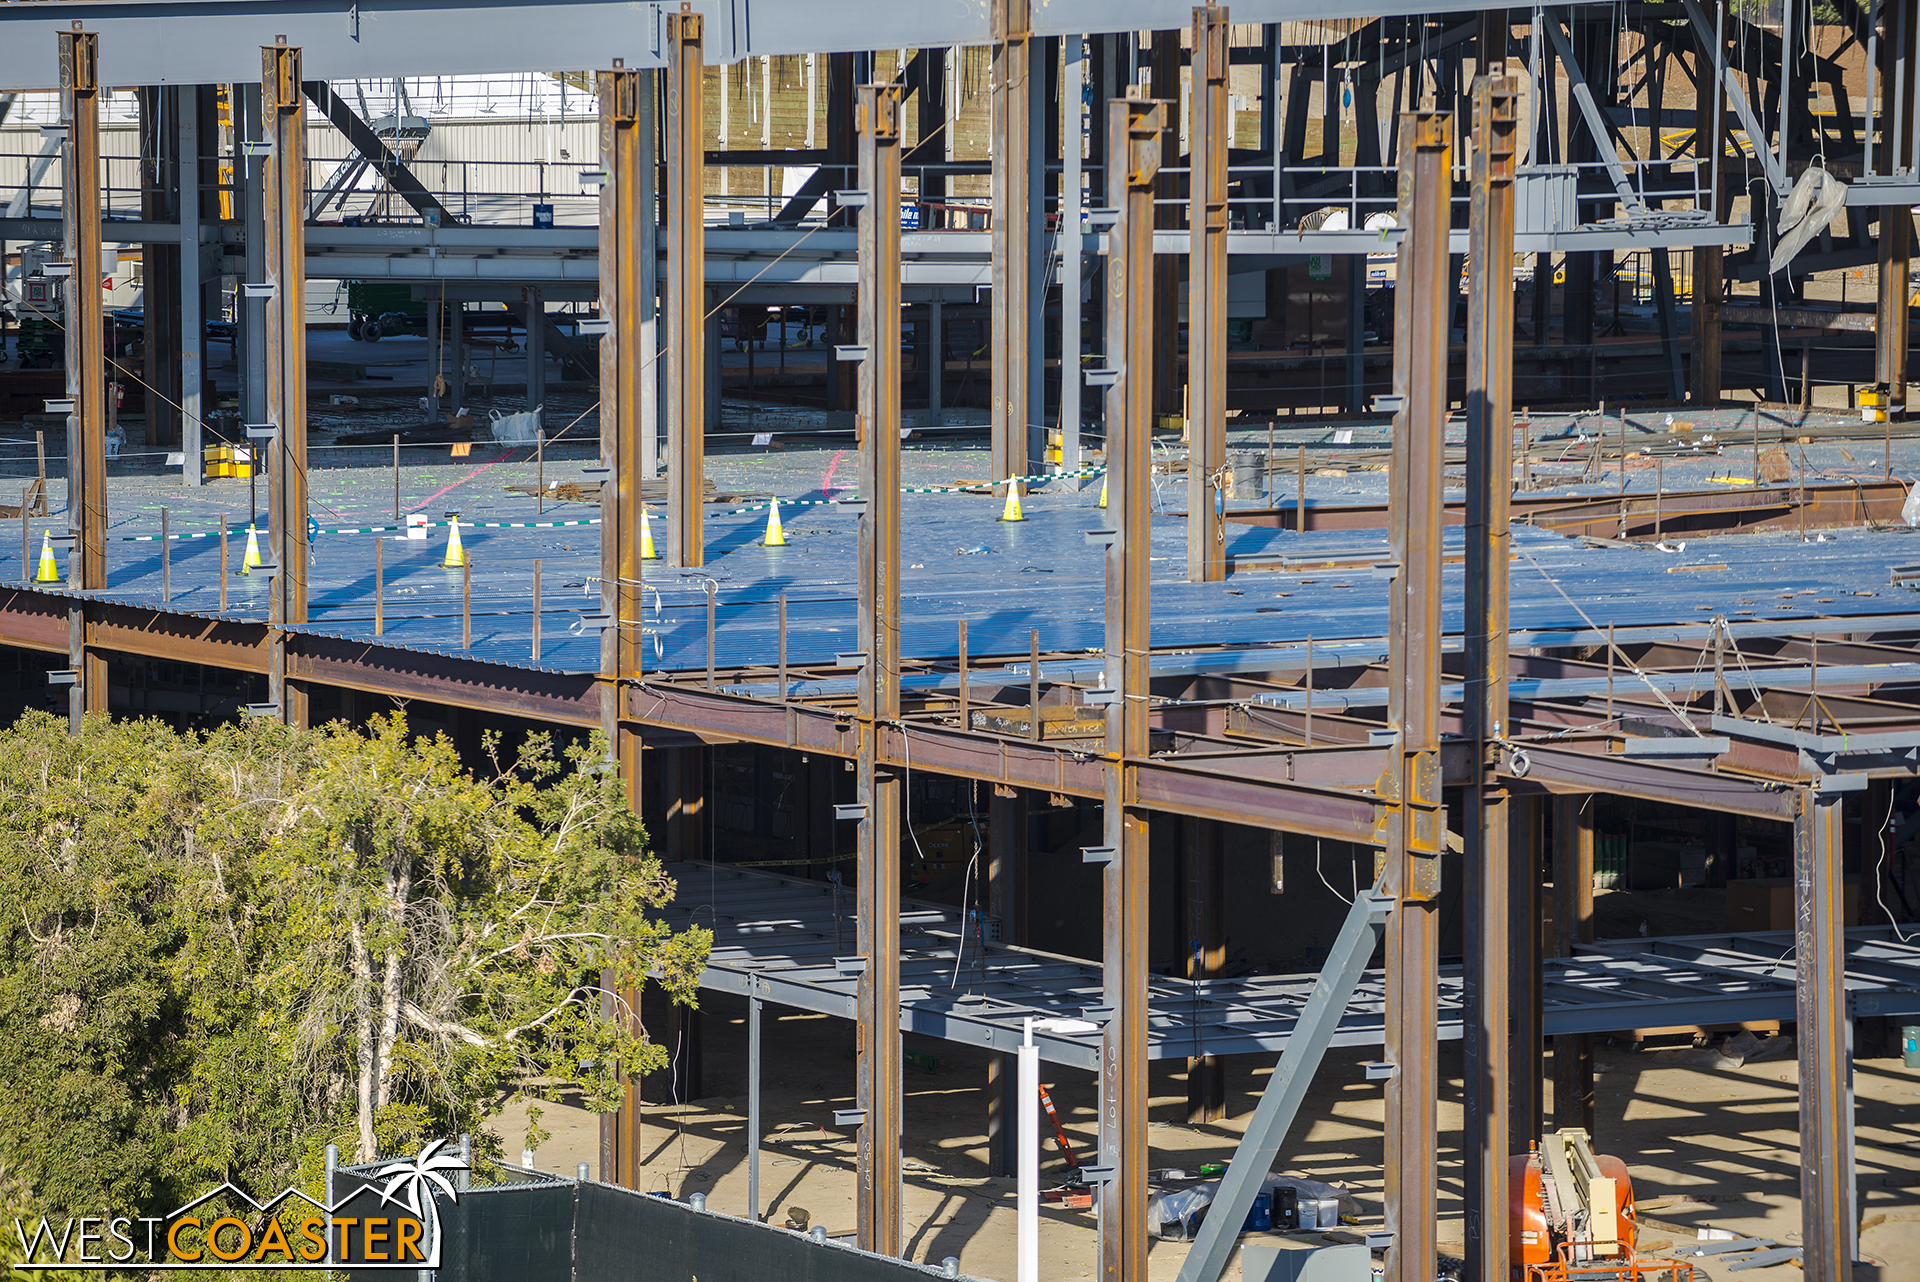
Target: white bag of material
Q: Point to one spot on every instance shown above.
(1319, 1204)
(515, 429)
(1176, 1206)
(1910, 510)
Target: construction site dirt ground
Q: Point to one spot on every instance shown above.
(1708, 1147)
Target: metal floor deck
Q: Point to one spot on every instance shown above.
(778, 937)
(1009, 580)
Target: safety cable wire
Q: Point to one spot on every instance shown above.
(1632, 667)
(1726, 630)
(1323, 876)
(1879, 876)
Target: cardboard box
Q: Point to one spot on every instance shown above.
(1766, 903)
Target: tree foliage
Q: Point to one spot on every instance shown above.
(222, 952)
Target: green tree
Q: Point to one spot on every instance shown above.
(221, 952)
(445, 934)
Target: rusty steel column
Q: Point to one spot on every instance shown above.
(1489, 906)
(1012, 195)
(1203, 874)
(1572, 926)
(86, 354)
(1709, 261)
(1827, 1212)
(1209, 119)
(1528, 1072)
(1899, 89)
(1890, 329)
(879, 788)
(283, 120)
(1416, 818)
(686, 300)
(1526, 858)
(625, 214)
(1135, 126)
(1162, 60)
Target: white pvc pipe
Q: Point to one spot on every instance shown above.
(1027, 1077)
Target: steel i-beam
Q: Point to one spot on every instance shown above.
(1135, 127)
(1891, 319)
(1415, 819)
(878, 787)
(1820, 1002)
(624, 305)
(1208, 122)
(1526, 1075)
(283, 118)
(193, 289)
(686, 289)
(1010, 185)
(1709, 261)
(86, 354)
(1572, 926)
(1489, 913)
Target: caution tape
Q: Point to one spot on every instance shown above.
(556, 525)
(914, 489)
(239, 530)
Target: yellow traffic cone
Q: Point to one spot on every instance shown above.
(456, 555)
(776, 537)
(252, 557)
(1103, 491)
(646, 538)
(1011, 512)
(49, 571)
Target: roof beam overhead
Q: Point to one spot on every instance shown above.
(213, 41)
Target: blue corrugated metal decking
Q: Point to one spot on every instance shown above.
(1005, 580)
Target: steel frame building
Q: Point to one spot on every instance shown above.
(1277, 755)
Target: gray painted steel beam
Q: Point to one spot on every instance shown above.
(955, 258)
(211, 41)
(370, 145)
(193, 294)
(1280, 1102)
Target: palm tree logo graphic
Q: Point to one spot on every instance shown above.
(412, 1184)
